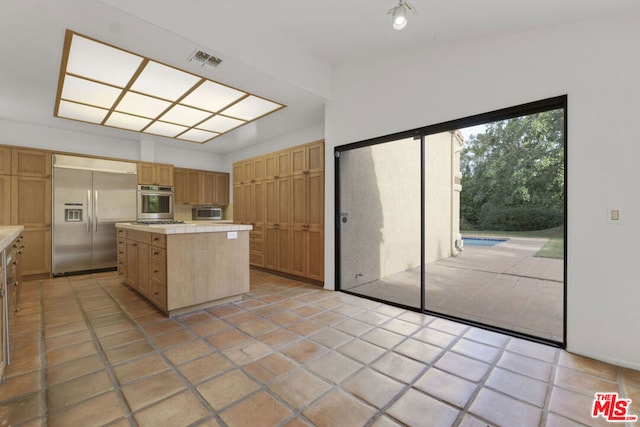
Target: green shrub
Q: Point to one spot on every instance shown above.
(518, 218)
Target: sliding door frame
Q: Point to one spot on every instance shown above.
(421, 134)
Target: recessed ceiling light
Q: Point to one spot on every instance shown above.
(110, 86)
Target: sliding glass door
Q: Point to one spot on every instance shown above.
(465, 219)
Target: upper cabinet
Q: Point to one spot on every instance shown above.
(278, 164)
(199, 187)
(307, 158)
(5, 161)
(26, 162)
(155, 174)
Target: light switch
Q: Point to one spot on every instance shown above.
(614, 215)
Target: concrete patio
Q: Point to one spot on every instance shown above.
(502, 285)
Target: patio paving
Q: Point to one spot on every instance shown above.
(502, 285)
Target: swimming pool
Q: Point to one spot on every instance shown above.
(481, 241)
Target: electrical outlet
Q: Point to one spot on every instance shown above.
(614, 216)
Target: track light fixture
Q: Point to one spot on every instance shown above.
(399, 14)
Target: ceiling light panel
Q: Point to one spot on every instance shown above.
(106, 85)
(251, 108)
(164, 82)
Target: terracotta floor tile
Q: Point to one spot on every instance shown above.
(163, 327)
(205, 367)
(354, 327)
(329, 318)
(71, 352)
(413, 407)
(114, 328)
(269, 367)
(382, 338)
(165, 413)
(303, 351)
(25, 349)
(97, 411)
(555, 420)
(73, 369)
(227, 388)
(361, 351)
(187, 352)
(20, 385)
(307, 311)
(21, 410)
(227, 339)
(444, 386)
(630, 377)
(23, 365)
(338, 408)
(78, 389)
(504, 410)
(418, 350)
(67, 339)
(259, 410)
(285, 318)
(247, 351)
(331, 338)
(258, 327)
(487, 337)
(435, 337)
(224, 310)
(305, 327)
(525, 365)
(128, 352)
(373, 387)
(574, 406)
(532, 349)
(152, 389)
(173, 339)
(398, 367)
(279, 338)
(463, 366)
(485, 353)
(193, 318)
(448, 326)
(299, 388)
(400, 326)
(333, 366)
(209, 327)
(142, 367)
(241, 318)
(513, 384)
(582, 383)
(120, 339)
(590, 366)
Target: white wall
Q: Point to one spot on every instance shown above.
(596, 65)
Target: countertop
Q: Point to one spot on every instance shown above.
(187, 227)
(8, 233)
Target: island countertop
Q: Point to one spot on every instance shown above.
(187, 227)
(8, 234)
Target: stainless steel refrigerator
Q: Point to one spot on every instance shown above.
(89, 197)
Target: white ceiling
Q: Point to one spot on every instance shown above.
(282, 50)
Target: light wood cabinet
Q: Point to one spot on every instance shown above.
(36, 258)
(27, 162)
(145, 267)
(155, 174)
(278, 164)
(290, 238)
(5, 200)
(307, 158)
(199, 187)
(5, 160)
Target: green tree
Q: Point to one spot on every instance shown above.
(513, 173)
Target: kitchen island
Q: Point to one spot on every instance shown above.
(185, 267)
(9, 246)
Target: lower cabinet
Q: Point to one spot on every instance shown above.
(307, 249)
(36, 259)
(145, 268)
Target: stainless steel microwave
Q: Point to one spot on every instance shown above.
(206, 213)
(155, 202)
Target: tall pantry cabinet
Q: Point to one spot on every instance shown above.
(282, 195)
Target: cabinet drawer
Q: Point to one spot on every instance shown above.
(256, 259)
(122, 247)
(122, 233)
(158, 271)
(159, 240)
(256, 236)
(140, 236)
(158, 255)
(158, 294)
(256, 247)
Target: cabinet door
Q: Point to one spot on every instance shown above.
(271, 247)
(36, 257)
(209, 188)
(299, 200)
(30, 163)
(146, 174)
(131, 273)
(259, 168)
(194, 187)
(298, 160)
(164, 175)
(314, 250)
(284, 163)
(143, 269)
(248, 205)
(247, 167)
(270, 201)
(179, 190)
(284, 201)
(298, 245)
(270, 165)
(5, 161)
(238, 203)
(221, 189)
(258, 202)
(5, 200)
(31, 201)
(315, 157)
(238, 172)
(315, 199)
(284, 249)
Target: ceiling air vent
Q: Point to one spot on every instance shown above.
(204, 58)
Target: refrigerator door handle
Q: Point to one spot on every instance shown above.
(89, 211)
(95, 208)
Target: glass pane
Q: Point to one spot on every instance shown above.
(380, 221)
(503, 262)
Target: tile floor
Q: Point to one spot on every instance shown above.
(86, 350)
